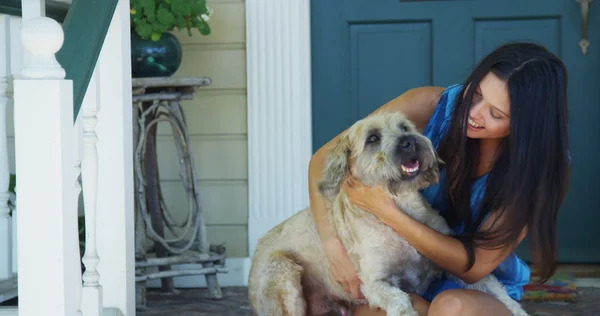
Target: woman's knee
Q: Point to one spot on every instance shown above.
(466, 303)
(419, 304)
(449, 303)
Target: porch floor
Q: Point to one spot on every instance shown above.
(196, 302)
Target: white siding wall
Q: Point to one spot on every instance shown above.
(217, 127)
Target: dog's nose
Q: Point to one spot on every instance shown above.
(407, 143)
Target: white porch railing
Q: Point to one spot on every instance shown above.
(50, 153)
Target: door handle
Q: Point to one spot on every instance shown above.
(585, 9)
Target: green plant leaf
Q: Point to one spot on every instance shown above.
(164, 16)
(149, 9)
(179, 22)
(158, 16)
(204, 29)
(137, 6)
(165, 6)
(203, 8)
(159, 27)
(144, 30)
(177, 7)
(156, 36)
(139, 20)
(196, 8)
(148, 5)
(186, 8)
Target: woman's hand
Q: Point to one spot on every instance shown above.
(373, 200)
(343, 270)
(445, 251)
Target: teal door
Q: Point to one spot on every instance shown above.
(365, 53)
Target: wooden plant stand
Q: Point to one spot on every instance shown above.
(157, 100)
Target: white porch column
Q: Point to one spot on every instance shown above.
(48, 258)
(279, 111)
(115, 217)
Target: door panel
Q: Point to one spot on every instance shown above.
(365, 55)
(489, 34)
(374, 50)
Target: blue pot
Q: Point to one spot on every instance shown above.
(151, 58)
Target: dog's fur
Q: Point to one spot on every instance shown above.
(290, 273)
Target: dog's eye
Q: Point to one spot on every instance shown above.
(373, 138)
(404, 128)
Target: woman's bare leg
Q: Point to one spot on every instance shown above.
(418, 303)
(466, 303)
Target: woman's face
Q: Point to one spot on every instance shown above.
(489, 117)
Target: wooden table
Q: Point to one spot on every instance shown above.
(158, 100)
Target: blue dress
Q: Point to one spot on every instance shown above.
(513, 273)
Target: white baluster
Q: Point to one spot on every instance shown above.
(33, 9)
(5, 219)
(78, 137)
(92, 291)
(48, 263)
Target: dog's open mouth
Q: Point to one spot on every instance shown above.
(410, 167)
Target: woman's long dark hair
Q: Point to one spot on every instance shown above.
(530, 175)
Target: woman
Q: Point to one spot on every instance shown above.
(504, 142)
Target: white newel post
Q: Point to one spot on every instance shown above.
(6, 260)
(115, 217)
(48, 261)
(279, 111)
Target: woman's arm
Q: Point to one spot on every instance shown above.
(418, 105)
(445, 251)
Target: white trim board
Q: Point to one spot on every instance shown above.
(278, 53)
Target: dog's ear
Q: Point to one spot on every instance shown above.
(432, 175)
(335, 169)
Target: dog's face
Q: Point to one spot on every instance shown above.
(384, 149)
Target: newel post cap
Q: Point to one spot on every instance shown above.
(42, 37)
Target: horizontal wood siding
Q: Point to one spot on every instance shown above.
(217, 127)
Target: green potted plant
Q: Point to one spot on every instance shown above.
(155, 51)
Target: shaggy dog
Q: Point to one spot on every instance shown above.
(290, 274)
